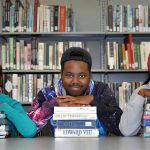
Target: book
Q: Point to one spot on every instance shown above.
(87, 124)
(76, 132)
(62, 18)
(56, 16)
(35, 12)
(76, 110)
(147, 106)
(4, 127)
(146, 134)
(74, 116)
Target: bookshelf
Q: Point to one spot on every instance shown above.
(90, 29)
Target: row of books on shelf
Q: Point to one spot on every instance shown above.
(123, 91)
(4, 127)
(127, 18)
(75, 122)
(24, 87)
(126, 56)
(31, 16)
(33, 54)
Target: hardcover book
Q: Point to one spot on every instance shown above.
(76, 132)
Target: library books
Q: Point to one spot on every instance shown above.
(146, 119)
(75, 122)
(4, 128)
(127, 55)
(127, 18)
(19, 54)
(31, 16)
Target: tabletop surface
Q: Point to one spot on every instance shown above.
(103, 143)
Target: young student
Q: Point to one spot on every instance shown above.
(18, 119)
(131, 119)
(76, 88)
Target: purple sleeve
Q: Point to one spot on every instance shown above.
(42, 107)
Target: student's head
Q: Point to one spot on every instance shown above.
(76, 70)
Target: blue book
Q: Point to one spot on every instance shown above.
(146, 122)
(76, 124)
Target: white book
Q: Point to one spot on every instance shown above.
(147, 129)
(41, 46)
(41, 18)
(75, 116)
(4, 128)
(60, 52)
(30, 88)
(147, 107)
(15, 86)
(58, 110)
(3, 133)
(51, 56)
(76, 132)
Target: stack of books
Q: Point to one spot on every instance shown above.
(75, 122)
(4, 128)
(146, 118)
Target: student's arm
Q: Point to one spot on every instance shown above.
(16, 114)
(107, 109)
(131, 119)
(42, 107)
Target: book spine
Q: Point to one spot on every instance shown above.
(77, 116)
(56, 14)
(3, 15)
(74, 110)
(36, 5)
(41, 47)
(76, 132)
(62, 18)
(76, 124)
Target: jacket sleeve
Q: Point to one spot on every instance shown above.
(130, 122)
(108, 110)
(16, 114)
(42, 107)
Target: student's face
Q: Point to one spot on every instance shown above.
(75, 77)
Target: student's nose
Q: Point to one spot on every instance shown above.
(75, 79)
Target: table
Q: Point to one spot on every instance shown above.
(103, 143)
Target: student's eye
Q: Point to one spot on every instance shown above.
(82, 76)
(69, 75)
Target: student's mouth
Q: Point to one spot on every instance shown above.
(75, 88)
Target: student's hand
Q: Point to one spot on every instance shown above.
(74, 101)
(144, 92)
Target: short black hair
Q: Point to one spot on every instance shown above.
(76, 53)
